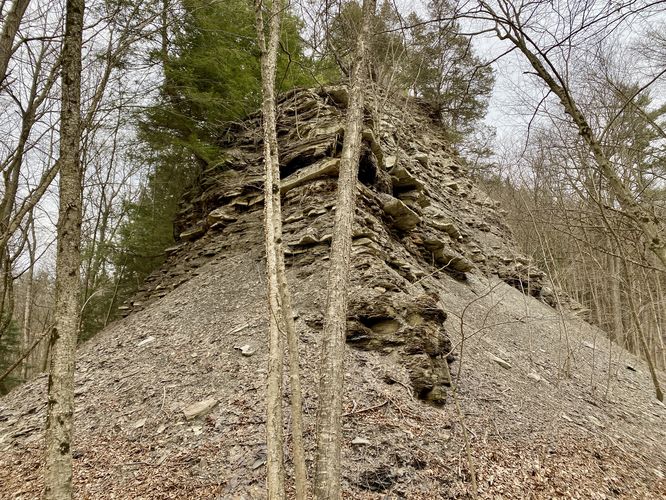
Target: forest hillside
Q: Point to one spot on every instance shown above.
(330, 249)
(462, 359)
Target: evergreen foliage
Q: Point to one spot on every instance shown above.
(444, 69)
(212, 76)
(149, 228)
(431, 60)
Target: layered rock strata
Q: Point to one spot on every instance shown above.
(418, 214)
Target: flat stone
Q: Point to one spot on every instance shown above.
(329, 167)
(447, 257)
(201, 408)
(247, 201)
(222, 214)
(145, 341)
(414, 198)
(404, 218)
(173, 249)
(193, 234)
(402, 178)
(305, 240)
(139, 423)
(422, 158)
(447, 226)
(246, 350)
(307, 152)
(503, 363)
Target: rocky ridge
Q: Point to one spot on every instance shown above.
(170, 399)
(418, 215)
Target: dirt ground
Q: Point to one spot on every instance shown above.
(554, 425)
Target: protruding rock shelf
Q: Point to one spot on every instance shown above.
(412, 192)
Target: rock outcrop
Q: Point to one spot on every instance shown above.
(418, 215)
(170, 399)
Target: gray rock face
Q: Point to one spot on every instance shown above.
(223, 215)
(404, 218)
(417, 215)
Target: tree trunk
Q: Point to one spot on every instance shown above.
(641, 337)
(274, 417)
(273, 218)
(616, 300)
(27, 311)
(7, 293)
(329, 412)
(9, 30)
(60, 410)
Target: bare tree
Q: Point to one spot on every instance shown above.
(27, 309)
(512, 23)
(8, 34)
(60, 410)
(281, 318)
(274, 418)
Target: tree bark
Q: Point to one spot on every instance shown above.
(60, 410)
(272, 238)
(329, 412)
(27, 311)
(617, 329)
(283, 313)
(9, 30)
(7, 293)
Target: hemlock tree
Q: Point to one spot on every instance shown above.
(212, 76)
(60, 409)
(331, 379)
(429, 59)
(444, 69)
